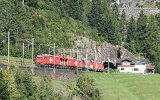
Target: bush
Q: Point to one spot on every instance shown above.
(157, 70)
(86, 89)
(4, 93)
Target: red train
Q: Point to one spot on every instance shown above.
(45, 60)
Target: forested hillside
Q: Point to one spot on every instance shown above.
(62, 21)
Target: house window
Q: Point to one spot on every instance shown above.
(136, 69)
(122, 68)
(126, 63)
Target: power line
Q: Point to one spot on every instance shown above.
(54, 59)
(32, 51)
(8, 48)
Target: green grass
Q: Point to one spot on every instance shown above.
(119, 86)
(14, 61)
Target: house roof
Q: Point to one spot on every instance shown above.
(149, 66)
(125, 59)
(141, 61)
(133, 60)
(129, 60)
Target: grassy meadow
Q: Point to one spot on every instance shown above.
(120, 86)
(123, 86)
(14, 61)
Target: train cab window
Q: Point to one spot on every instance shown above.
(63, 61)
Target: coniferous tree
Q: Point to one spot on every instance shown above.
(111, 24)
(31, 3)
(95, 13)
(152, 40)
(123, 26)
(63, 5)
(115, 10)
(131, 30)
(103, 24)
(142, 22)
(158, 4)
(158, 19)
(87, 8)
(141, 30)
(76, 9)
(132, 35)
(106, 22)
(114, 36)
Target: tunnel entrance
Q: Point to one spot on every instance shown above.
(111, 65)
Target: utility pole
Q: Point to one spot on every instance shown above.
(49, 50)
(32, 50)
(108, 64)
(64, 52)
(22, 2)
(77, 62)
(23, 55)
(95, 59)
(108, 58)
(8, 48)
(70, 53)
(73, 53)
(86, 58)
(54, 58)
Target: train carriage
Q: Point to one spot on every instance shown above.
(71, 62)
(90, 65)
(98, 66)
(53, 60)
(80, 64)
(64, 62)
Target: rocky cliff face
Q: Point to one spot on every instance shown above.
(100, 51)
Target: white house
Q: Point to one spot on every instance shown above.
(134, 66)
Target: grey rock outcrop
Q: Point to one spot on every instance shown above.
(102, 51)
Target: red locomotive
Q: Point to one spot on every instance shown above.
(45, 60)
(96, 66)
